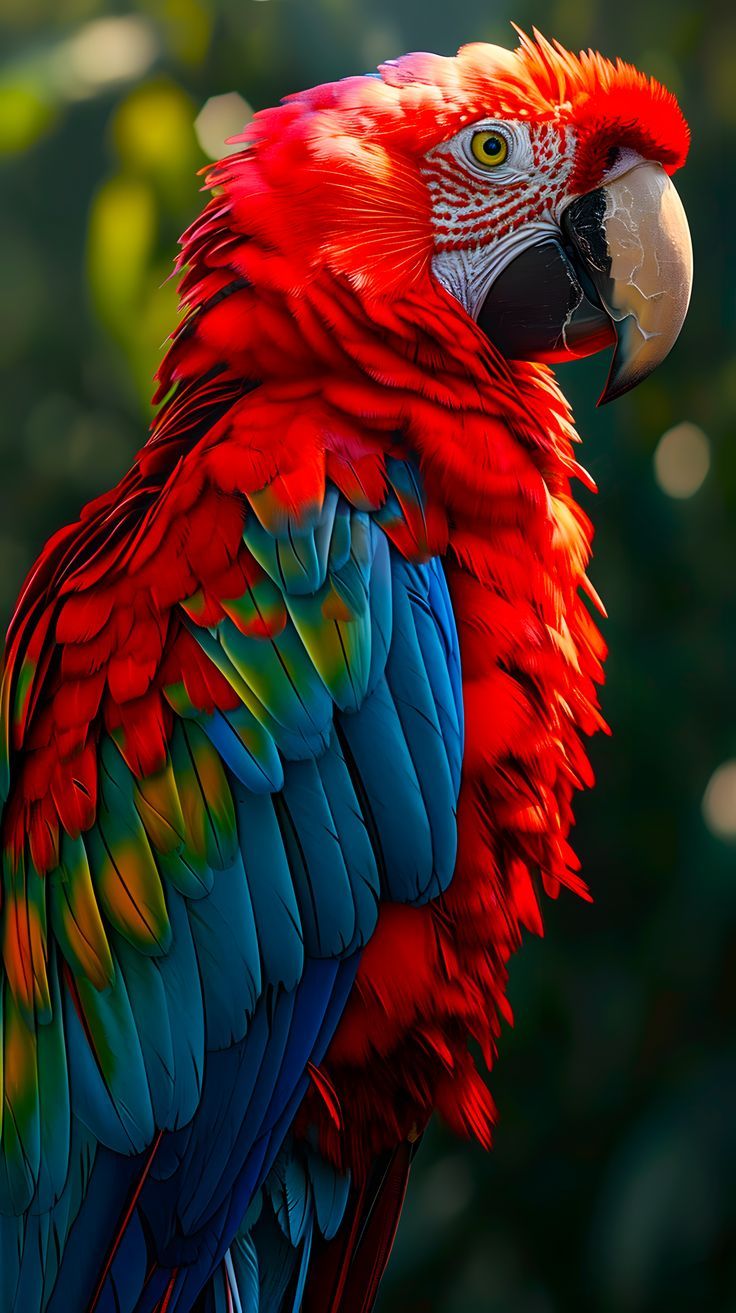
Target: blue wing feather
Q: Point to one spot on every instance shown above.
(226, 944)
(386, 783)
(339, 776)
(412, 694)
(318, 863)
(278, 923)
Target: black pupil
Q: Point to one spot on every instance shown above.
(492, 146)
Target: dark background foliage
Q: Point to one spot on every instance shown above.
(611, 1186)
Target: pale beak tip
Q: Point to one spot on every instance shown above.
(617, 384)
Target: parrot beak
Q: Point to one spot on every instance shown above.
(619, 275)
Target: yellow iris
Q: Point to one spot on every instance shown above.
(489, 148)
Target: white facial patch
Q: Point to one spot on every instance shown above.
(483, 216)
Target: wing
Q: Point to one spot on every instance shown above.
(230, 731)
(313, 1240)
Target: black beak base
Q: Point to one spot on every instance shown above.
(544, 305)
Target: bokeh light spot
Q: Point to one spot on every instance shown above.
(153, 133)
(719, 801)
(106, 51)
(121, 237)
(682, 460)
(25, 114)
(221, 117)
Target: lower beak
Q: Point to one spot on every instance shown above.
(619, 274)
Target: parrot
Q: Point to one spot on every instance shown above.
(293, 718)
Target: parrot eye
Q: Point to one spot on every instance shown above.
(489, 148)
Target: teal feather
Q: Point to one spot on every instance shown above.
(54, 1101)
(291, 559)
(278, 922)
(330, 1191)
(25, 936)
(389, 512)
(404, 478)
(351, 579)
(381, 608)
(13, 1230)
(183, 989)
(206, 798)
(353, 840)
(325, 529)
(290, 742)
(226, 944)
(295, 557)
(124, 872)
(340, 650)
(21, 1122)
(106, 1067)
(340, 535)
(149, 1006)
(407, 679)
(187, 872)
(246, 748)
(390, 796)
(243, 1273)
(316, 861)
(283, 679)
(75, 915)
(306, 1254)
(159, 807)
(288, 1188)
(436, 668)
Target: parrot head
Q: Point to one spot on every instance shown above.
(532, 187)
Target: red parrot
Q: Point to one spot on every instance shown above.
(293, 717)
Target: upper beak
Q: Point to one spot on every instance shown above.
(620, 274)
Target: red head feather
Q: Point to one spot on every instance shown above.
(330, 196)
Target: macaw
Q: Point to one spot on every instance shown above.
(293, 717)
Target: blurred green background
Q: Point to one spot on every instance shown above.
(612, 1186)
